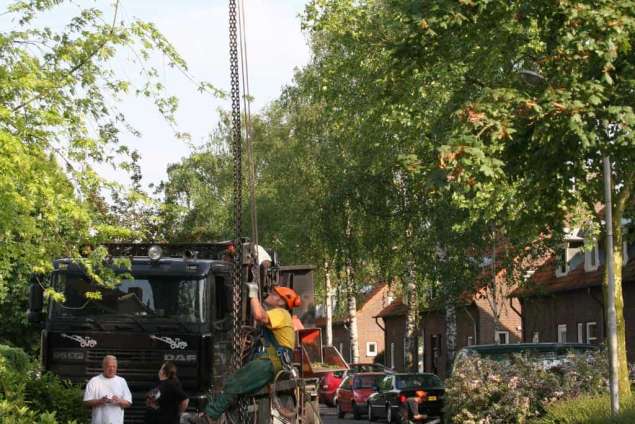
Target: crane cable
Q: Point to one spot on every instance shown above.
(242, 25)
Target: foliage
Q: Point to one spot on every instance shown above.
(15, 358)
(483, 390)
(58, 117)
(29, 396)
(48, 393)
(587, 410)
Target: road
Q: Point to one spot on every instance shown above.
(328, 417)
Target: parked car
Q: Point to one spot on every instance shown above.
(332, 380)
(328, 386)
(353, 393)
(395, 390)
(548, 355)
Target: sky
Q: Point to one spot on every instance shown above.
(199, 31)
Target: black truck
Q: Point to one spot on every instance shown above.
(176, 306)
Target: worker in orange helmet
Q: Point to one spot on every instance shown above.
(278, 342)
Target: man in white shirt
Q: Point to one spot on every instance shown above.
(107, 394)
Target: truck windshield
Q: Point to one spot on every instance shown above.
(153, 297)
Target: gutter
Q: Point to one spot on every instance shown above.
(379, 325)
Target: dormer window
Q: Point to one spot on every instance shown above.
(562, 262)
(592, 258)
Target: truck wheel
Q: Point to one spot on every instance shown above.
(356, 414)
(338, 409)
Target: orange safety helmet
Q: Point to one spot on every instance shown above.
(289, 296)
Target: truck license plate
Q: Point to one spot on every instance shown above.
(432, 398)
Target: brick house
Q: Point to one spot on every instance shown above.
(475, 325)
(563, 299)
(370, 334)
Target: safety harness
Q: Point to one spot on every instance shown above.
(271, 349)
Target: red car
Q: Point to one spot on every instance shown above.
(353, 393)
(332, 380)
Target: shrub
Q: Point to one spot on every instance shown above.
(29, 396)
(16, 358)
(587, 410)
(486, 391)
(49, 393)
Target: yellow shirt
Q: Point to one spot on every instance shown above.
(281, 325)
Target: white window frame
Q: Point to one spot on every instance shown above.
(535, 338)
(392, 355)
(589, 256)
(562, 329)
(369, 351)
(590, 339)
(498, 334)
(581, 332)
(559, 271)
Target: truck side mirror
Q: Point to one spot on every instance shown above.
(36, 302)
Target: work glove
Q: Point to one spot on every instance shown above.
(253, 290)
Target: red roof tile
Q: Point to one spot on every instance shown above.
(544, 280)
(395, 309)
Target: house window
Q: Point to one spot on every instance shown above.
(470, 340)
(501, 337)
(562, 262)
(341, 349)
(392, 355)
(592, 258)
(624, 253)
(562, 333)
(536, 337)
(591, 332)
(371, 349)
(581, 332)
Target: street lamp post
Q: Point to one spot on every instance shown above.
(535, 79)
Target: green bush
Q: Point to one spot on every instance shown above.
(16, 358)
(587, 410)
(29, 396)
(486, 391)
(49, 393)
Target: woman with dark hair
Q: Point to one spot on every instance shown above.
(167, 401)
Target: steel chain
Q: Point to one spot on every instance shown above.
(237, 153)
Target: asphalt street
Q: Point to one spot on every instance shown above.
(328, 417)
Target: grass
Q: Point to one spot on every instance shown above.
(588, 410)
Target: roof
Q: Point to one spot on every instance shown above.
(544, 280)
(527, 347)
(377, 289)
(395, 309)
(341, 319)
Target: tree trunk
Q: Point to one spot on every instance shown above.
(450, 336)
(411, 320)
(352, 312)
(329, 305)
(618, 212)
